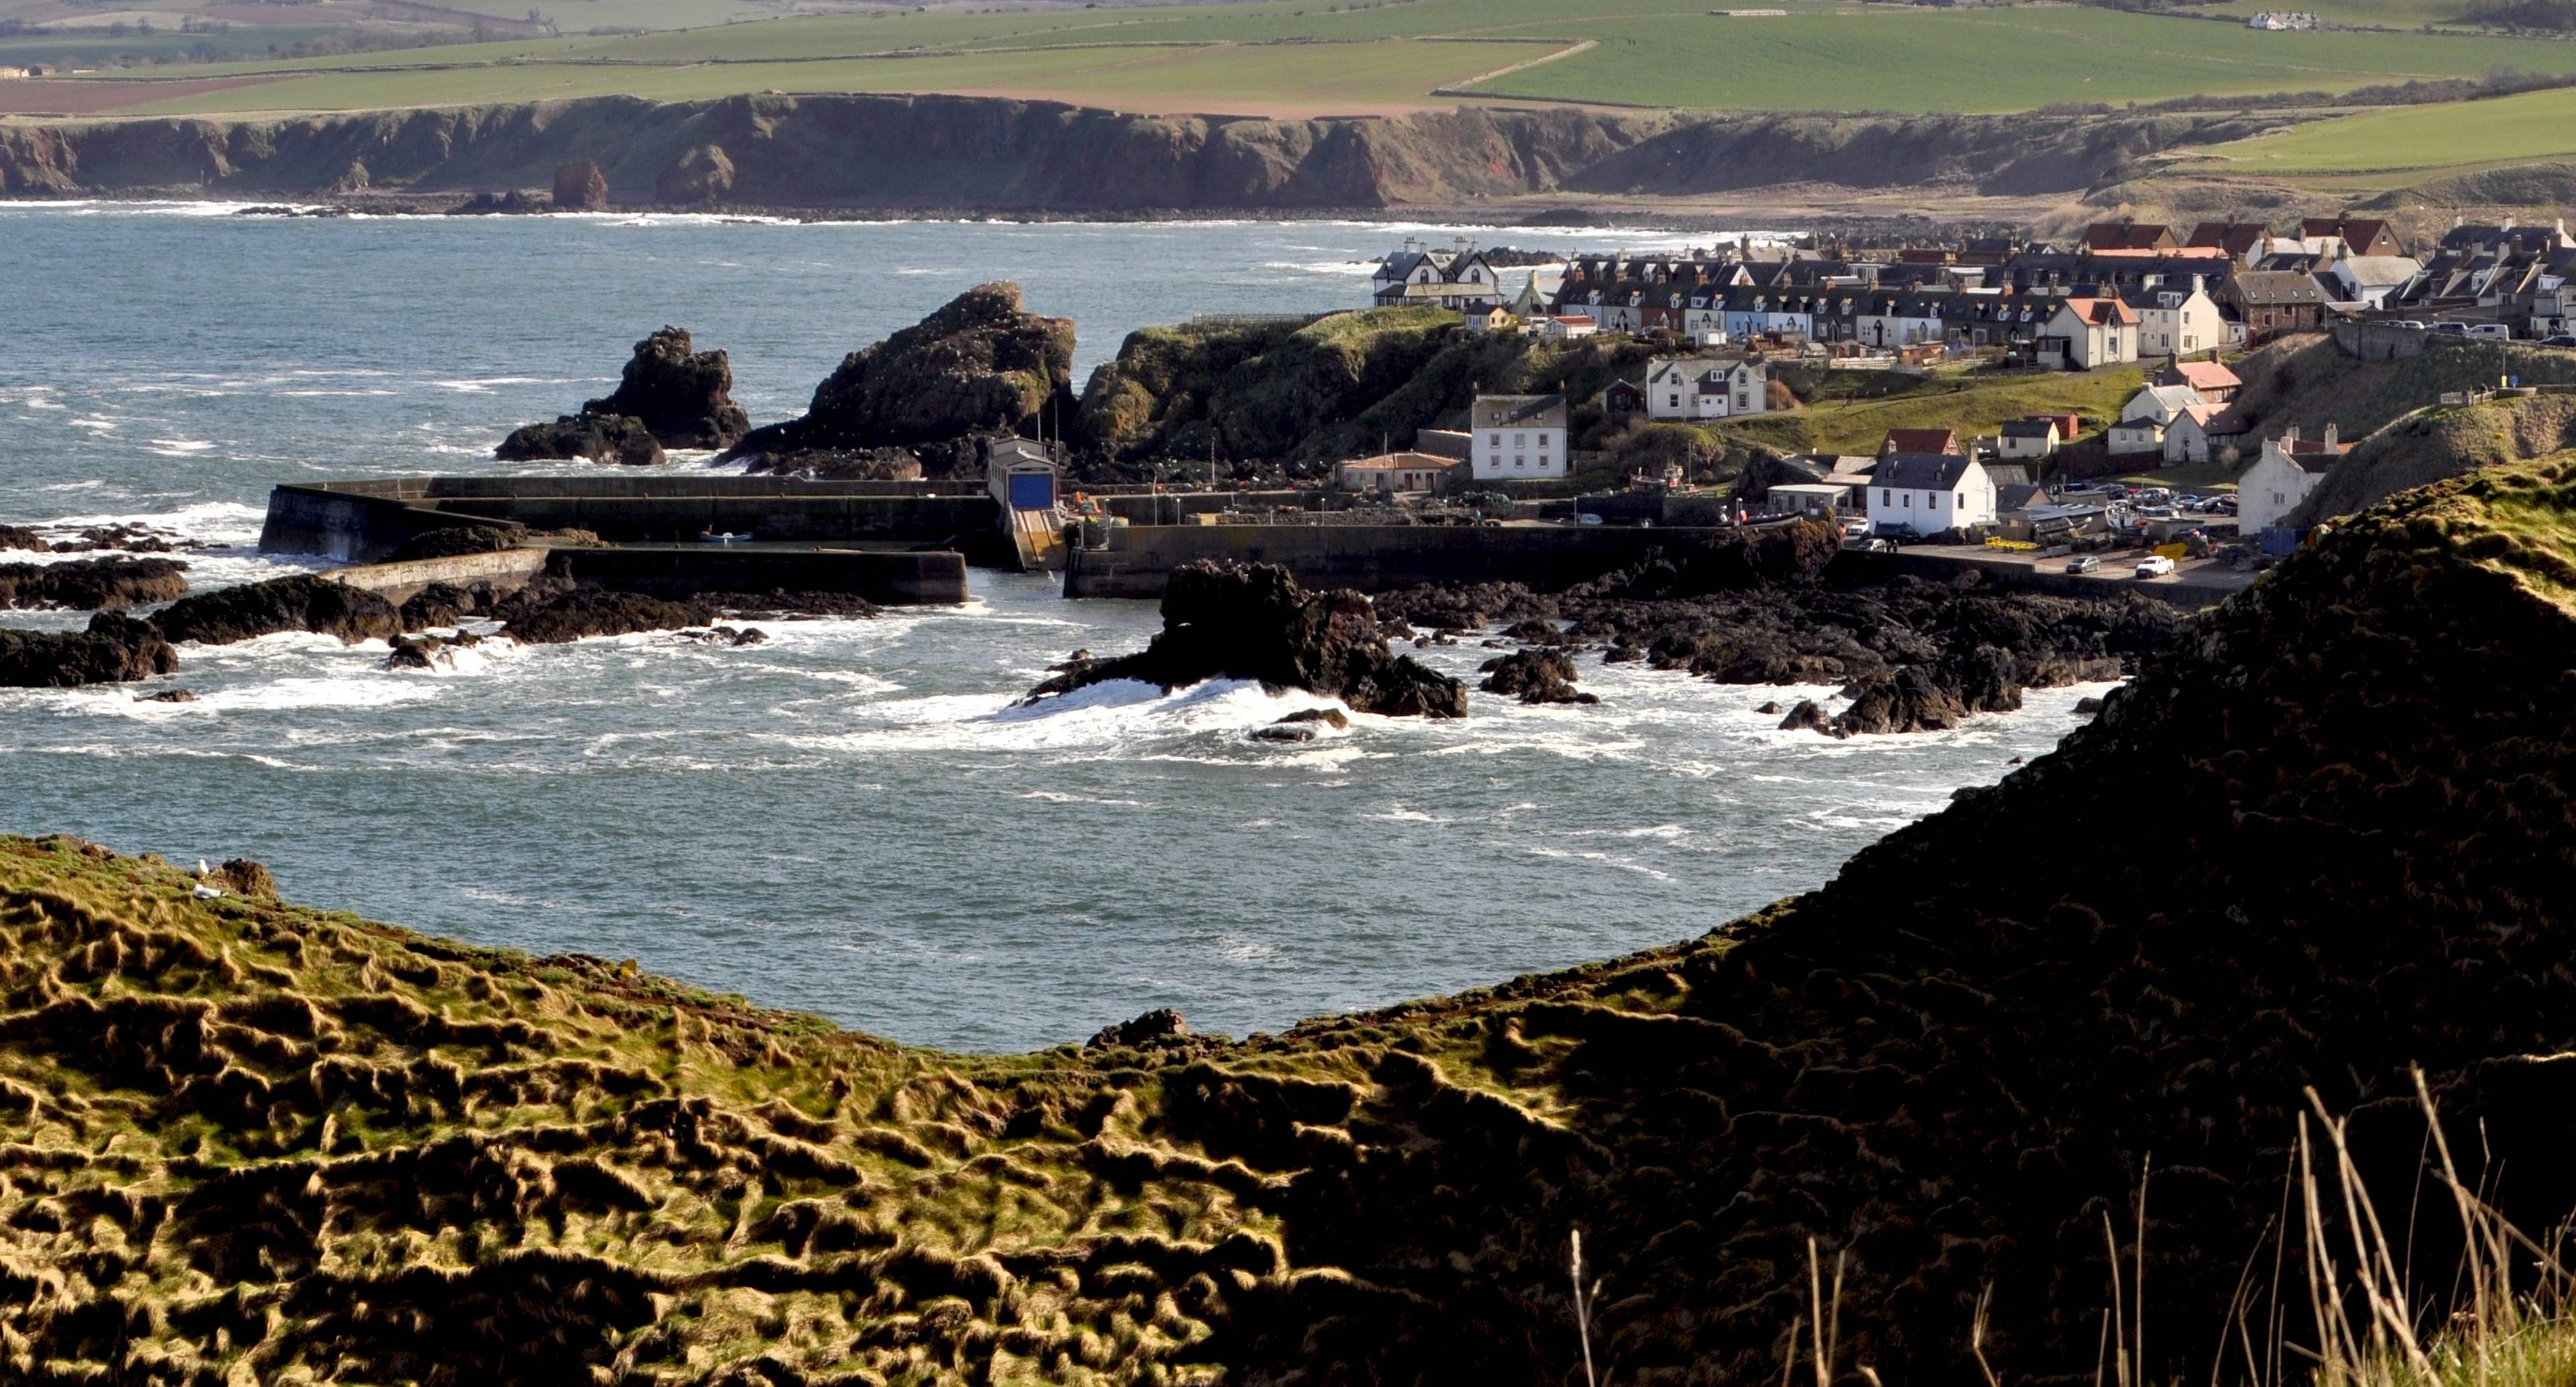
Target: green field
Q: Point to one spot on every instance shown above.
(2414, 139)
(1280, 55)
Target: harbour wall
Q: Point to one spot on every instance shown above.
(2192, 588)
(1137, 560)
(891, 579)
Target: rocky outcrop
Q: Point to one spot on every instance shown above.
(1534, 676)
(619, 438)
(301, 603)
(92, 584)
(683, 395)
(541, 615)
(114, 649)
(20, 537)
(580, 187)
(1253, 621)
(976, 368)
(704, 173)
(456, 541)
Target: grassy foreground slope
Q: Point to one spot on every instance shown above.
(252, 1142)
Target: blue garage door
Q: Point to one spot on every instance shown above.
(1032, 491)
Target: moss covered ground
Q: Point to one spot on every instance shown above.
(253, 1142)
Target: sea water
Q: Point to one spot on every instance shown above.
(853, 818)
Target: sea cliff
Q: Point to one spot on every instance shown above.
(968, 153)
(253, 1138)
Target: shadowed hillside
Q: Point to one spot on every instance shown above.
(249, 1137)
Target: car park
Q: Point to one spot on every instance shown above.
(2155, 566)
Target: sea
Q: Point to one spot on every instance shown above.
(856, 818)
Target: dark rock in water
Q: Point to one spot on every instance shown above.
(580, 187)
(1534, 676)
(445, 604)
(978, 367)
(301, 603)
(781, 605)
(415, 652)
(456, 541)
(1806, 717)
(1771, 707)
(1162, 1023)
(1931, 697)
(92, 584)
(20, 537)
(727, 635)
(1535, 631)
(2088, 704)
(132, 539)
(1302, 725)
(684, 396)
(1253, 621)
(114, 650)
(535, 616)
(243, 877)
(168, 696)
(619, 438)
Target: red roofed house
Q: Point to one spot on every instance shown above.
(2092, 332)
(2241, 242)
(2207, 379)
(2128, 236)
(2360, 235)
(1919, 441)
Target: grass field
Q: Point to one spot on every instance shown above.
(1281, 54)
(2414, 139)
(1853, 411)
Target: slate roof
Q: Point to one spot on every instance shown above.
(1526, 411)
(2028, 428)
(2277, 287)
(2235, 238)
(1920, 471)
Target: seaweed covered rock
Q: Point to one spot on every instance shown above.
(977, 367)
(456, 541)
(1253, 621)
(619, 438)
(20, 537)
(304, 602)
(114, 649)
(92, 584)
(537, 615)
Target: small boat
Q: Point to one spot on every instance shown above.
(725, 537)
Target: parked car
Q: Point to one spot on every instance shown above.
(2460, 328)
(2156, 566)
(2154, 496)
(1853, 529)
(2226, 502)
(2415, 324)
(2083, 563)
(1587, 518)
(2561, 340)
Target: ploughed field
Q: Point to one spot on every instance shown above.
(254, 1137)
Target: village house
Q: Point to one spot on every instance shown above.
(2144, 434)
(1565, 327)
(1518, 437)
(1495, 319)
(1918, 441)
(1623, 396)
(1419, 276)
(1395, 473)
(2175, 319)
(2241, 242)
(1929, 493)
(2273, 301)
(2202, 432)
(2125, 235)
(2028, 439)
(1810, 499)
(2161, 403)
(2279, 480)
(2367, 281)
(1702, 388)
(2211, 381)
(2366, 236)
(2087, 333)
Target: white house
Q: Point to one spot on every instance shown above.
(1927, 493)
(1517, 438)
(1419, 275)
(2202, 432)
(2160, 404)
(2028, 439)
(1565, 327)
(2144, 434)
(2096, 332)
(1682, 387)
(2176, 320)
(1495, 319)
(2368, 280)
(2280, 479)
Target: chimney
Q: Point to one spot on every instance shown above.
(2290, 440)
(2195, 283)
(2331, 433)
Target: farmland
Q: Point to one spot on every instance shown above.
(2414, 140)
(1293, 58)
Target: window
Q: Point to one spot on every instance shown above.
(1498, 440)
(1886, 498)
(1520, 462)
(1962, 499)
(1517, 439)
(1909, 500)
(1673, 401)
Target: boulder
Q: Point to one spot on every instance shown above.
(620, 438)
(1162, 1023)
(1536, 675)
(301, 603)
(243, 877)
(456, 541)
(92, 584)
(20, 537)
(1304, 725)
(580, 187)
(168, 696)
(1253, 621)
(536, 615)
(683, 396)
(977, 368)
(1806, 717)
(114, 650)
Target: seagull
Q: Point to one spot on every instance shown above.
(206, 893)
(203, 869)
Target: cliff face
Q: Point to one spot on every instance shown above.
(251, 1136)
(952, 152)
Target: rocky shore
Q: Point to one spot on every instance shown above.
(92, 584)
(1996, 1058)
(671, 395)
(1253, 621)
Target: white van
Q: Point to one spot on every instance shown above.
(2492, 332)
